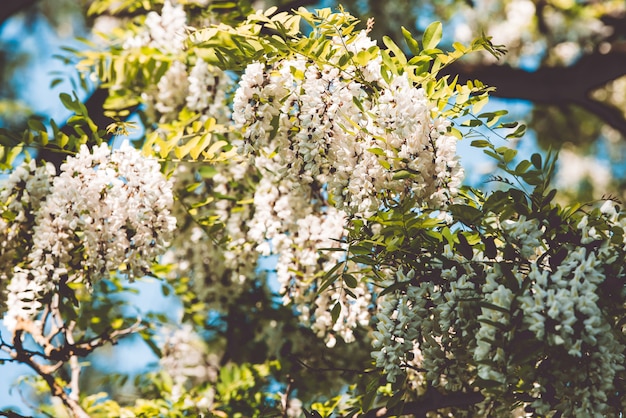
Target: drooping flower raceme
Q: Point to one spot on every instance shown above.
(164, 31)
(482, 317)
(186, 360)
(21, 196)
(105, 211)
(331, 143)
(319, 123)
(199, 86)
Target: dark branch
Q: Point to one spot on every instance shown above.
(432, 400)
(554, 85)
(327, 369)
(11, 414)
(9, 8)
(609, 114)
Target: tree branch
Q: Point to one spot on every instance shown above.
(609, 114)
(432, 400)
(12, 414)
(55, 387)
(74, 364)
(554, 85)
(67, 351)
(9, 8)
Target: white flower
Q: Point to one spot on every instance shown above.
(172, 90)
(113, 208)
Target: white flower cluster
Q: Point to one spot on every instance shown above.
(165, 31)
(185, 359)
(409, 333)
(398, 326)
(562, 308)
(104, 211)
(201, 89)
(545, 309)
(171, 90)
(525, 234)
(198, 85)
(494, 322)
(286, 223)
(328, 149)
(319, 124)
(21, 196)
(207, 91)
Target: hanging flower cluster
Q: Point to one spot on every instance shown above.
(183, 82)
(186, 360)
(218, 265)
(321, 124)
(105, 211)
(334, 142)
(480, 318)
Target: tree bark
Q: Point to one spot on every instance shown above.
(554, 85)
(432, 400)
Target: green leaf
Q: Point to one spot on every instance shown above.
(518, 133)
(68, 103)
(488, 305)
(36, 125)
(469, 215)
(376, 151)
(480, 143)
(498, 325)
(395, 49)
(432, 35)
(334, 313)
(487, 384)
(401, 175)
(464, 248)
(536, 160)
(509, 155)
(410, 41)
(349, 280)
(522, 167)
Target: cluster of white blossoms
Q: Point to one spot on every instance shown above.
(21, 195)
(285, 222)
(331, 145)
(525, 234)
(165, 31)
(321, 125)
(185, 359)
(105, 211)
(490, 313)
(398, 326)
(199, 86)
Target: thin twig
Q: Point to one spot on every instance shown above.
(74, 364)
(285, 397)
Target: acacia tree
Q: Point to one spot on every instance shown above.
(396, 290)
(564, 56)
